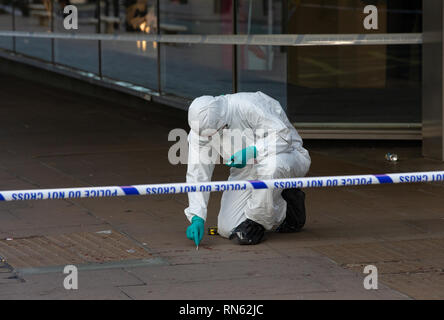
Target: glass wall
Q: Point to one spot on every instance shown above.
(79, 54)
(376, 84)
(262, 68)
(318, 84)
(134, 62)
(6, 23)
(194, 70)
(36, 17)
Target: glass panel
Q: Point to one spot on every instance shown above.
(262, 68)
(134, 62)
(194, 70)
(354, 83)
(6, 11)
(36, 17)
(79, 54)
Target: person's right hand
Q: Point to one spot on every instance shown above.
(196, 230)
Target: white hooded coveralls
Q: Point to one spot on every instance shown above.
(287, 158)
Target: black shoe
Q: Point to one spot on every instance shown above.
(248, 232)
(295, 219)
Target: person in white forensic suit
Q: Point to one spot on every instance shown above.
(272, 150)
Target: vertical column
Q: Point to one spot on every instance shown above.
(99, 30)
(433, 80)
(235, 66)
(159, 70)
(52, 15)
(13, 24)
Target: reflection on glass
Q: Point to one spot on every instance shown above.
(354, 83)
(194, 70)
(36, 17)
(6, 11)
(134, 62)
(262, 68)
(79, 54)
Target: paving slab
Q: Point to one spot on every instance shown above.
(285, 278)
(414, 267)
(94, 284)
(66, 249)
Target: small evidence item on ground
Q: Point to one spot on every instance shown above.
(392, 157)
(212, 231)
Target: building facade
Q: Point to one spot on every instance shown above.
(342, 91)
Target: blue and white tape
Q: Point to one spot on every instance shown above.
(217, 186)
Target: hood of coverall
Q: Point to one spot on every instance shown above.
(208, 114)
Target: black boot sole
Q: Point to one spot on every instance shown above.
(248, 232)
(295, 217)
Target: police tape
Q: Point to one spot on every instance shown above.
(218, 186)
(238, 39)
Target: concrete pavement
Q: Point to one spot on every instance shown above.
(135, 247)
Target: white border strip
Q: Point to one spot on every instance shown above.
(217, 186)
(272, 40)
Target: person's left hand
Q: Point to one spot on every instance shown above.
(240, 158)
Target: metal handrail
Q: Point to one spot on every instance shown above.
(257, 39)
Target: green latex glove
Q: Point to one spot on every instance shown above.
(195, 231)
(240, 158)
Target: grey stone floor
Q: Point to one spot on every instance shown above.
(53, 138)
